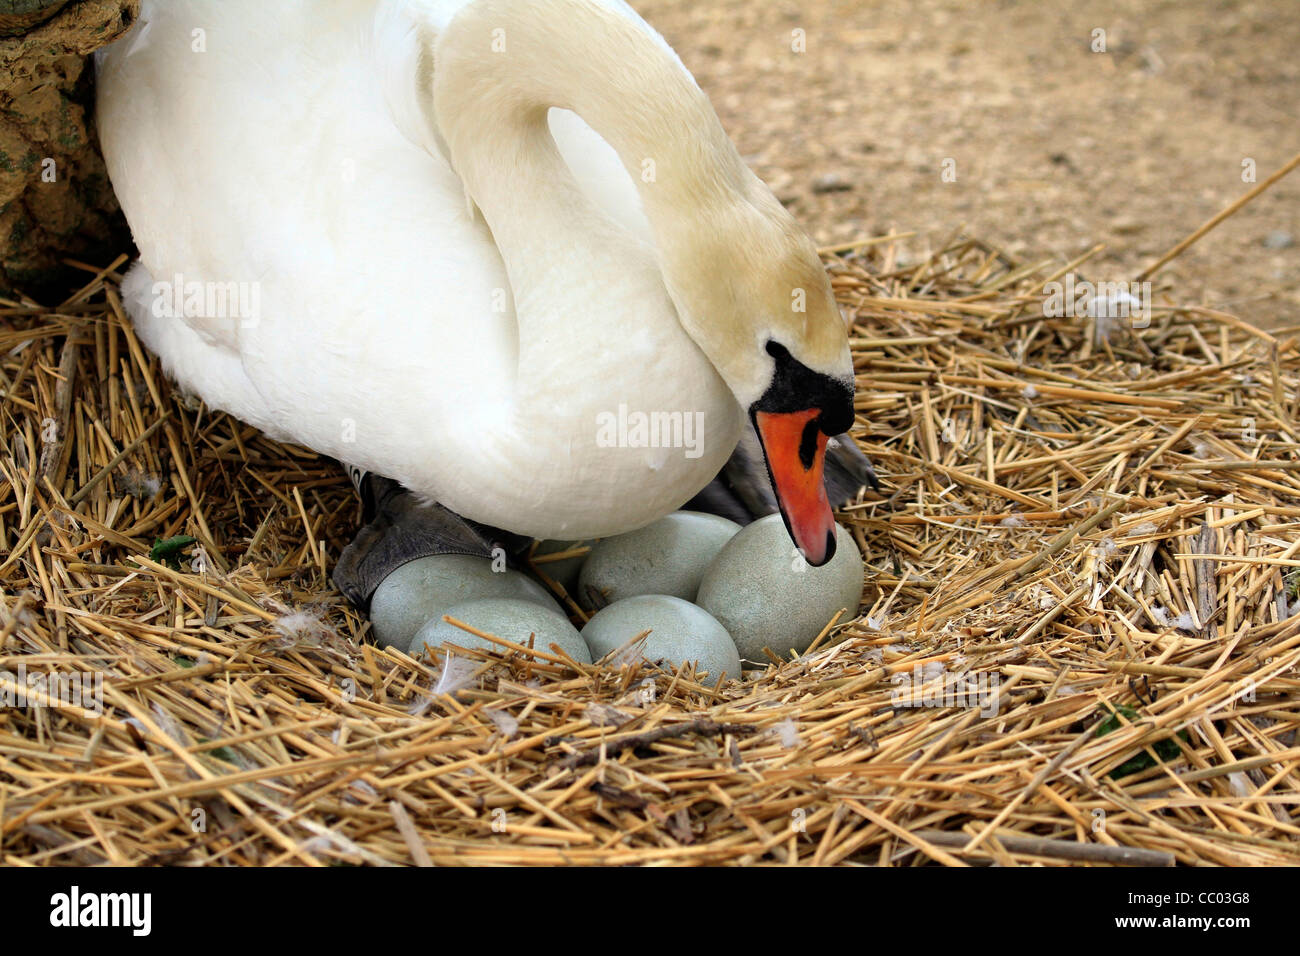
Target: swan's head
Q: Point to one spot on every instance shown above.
(753, 294)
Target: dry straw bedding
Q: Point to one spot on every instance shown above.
(1104, 529)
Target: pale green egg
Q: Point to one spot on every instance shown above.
(679, 631)
(564, 571)
(423, 589)
(511, 619)
(762, 591)
(668, 556)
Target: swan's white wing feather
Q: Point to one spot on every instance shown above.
(296, 153)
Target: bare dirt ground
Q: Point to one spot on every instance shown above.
(1054, 147)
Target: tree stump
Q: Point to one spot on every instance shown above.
(55, 198)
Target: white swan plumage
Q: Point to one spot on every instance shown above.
(472, 230)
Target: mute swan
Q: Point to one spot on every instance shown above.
(468, 243)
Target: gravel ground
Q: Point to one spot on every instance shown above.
(1054, 147)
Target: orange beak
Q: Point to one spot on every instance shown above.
(795, 447)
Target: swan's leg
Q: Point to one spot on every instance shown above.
(399, 528)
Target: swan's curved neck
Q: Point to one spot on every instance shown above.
(597, 329)
(506, 62)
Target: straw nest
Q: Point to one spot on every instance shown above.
(1098, 523)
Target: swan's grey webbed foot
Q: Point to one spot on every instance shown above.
(743, 490)
(399, 528)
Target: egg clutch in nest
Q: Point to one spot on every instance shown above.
(689, 587)
(1077, 640)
